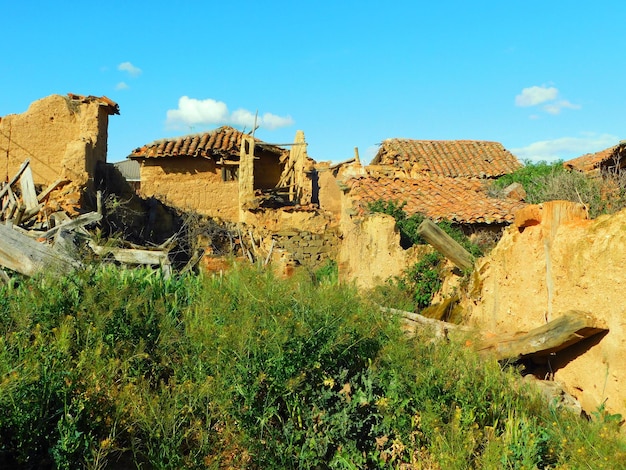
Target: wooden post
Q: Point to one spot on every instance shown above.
(445, 245)
(29, 194)
(246, 173)
(297, 155)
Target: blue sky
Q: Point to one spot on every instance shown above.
(547, 79)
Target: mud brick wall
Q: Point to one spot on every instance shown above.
(312, 250)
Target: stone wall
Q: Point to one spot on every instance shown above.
(63, 137)
(309, 249)
(191, 184)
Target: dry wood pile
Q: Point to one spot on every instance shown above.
(41, 230)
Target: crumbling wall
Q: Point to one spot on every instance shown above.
(329, 194)
(370, 252)
(191, 184)
(64, 137)
(543, 267)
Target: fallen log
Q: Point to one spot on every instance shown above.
(24, 255)
(565, 330)
(132, 255)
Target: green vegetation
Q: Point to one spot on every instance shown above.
(129, 369)
(542, 182)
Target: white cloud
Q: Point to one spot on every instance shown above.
(548, 96)
(121, 86)
(565, 148)
(271, 121)
(192, 111)
(557, 106)
(130, 68)
(534, 95)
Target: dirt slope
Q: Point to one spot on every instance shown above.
(538, 272)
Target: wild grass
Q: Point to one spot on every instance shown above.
(126, 369)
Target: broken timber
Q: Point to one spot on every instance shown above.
(24, 255)
(571, 327)
(445, 245)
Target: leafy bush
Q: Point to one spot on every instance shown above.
(423, 280)
(531, 176)
(329, 272)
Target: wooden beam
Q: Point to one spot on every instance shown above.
(131, 255)
(46, 192)
(445, 244)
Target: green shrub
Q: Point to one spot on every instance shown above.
(423, 280)
(329, 272)
(531, 176)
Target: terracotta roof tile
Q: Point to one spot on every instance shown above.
(459, 200)
(222, 142)
(591, 161)
(453, 158)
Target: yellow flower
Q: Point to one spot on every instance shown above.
(106, 443)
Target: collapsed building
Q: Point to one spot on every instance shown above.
(287, 206)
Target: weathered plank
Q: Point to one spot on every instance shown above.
(445, 245)
(132, 255)
(24, 255)
(440, 329)
(29, 194)
(7, 186)
(565, 330)
(80, 221)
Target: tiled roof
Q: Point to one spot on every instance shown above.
(591, 161)
(222, 142)
(459, 200)
(454, 158)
